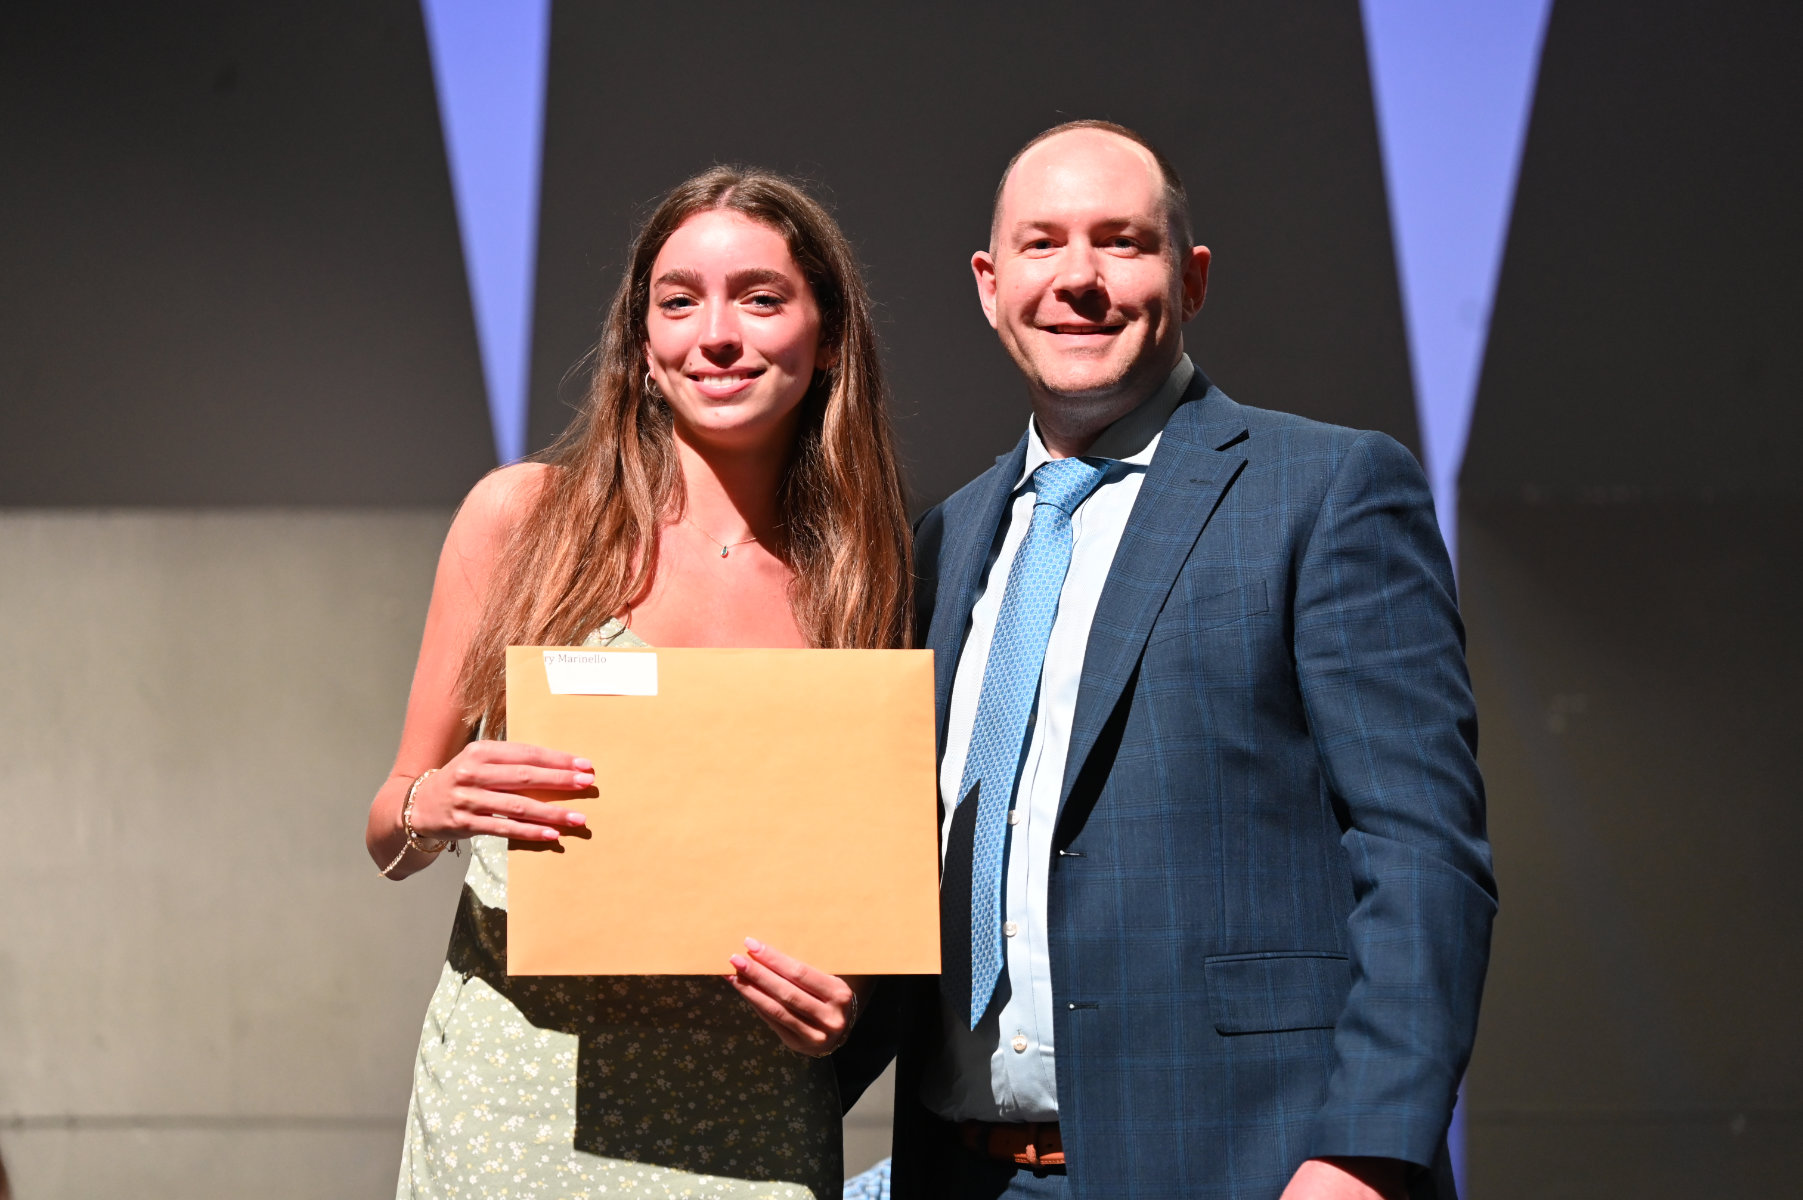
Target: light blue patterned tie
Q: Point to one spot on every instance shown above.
(1010, 683)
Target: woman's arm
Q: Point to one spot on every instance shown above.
(474, 791)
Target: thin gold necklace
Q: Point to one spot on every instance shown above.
(725, 547)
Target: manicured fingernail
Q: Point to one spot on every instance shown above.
(549, 835)
(753, 945)
(584, 778)
(578, 819)
(739, 963)
(583, 764)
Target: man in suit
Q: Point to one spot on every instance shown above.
(1216, 895)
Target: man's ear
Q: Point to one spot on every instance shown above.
(982, 265)
(1195, 280)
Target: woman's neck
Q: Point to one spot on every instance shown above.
(732, 494)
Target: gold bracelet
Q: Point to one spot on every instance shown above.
(413, 838)
(851, 1018)
(414, 841)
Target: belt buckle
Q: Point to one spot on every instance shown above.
(1024, 1145)
(1028, 1154)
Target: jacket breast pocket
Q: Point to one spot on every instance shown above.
(1270, 993)
(1187, 613)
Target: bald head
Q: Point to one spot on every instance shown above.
(1102, 136)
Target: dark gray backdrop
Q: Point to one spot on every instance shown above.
(905, 117)
(234, 274)
(1632, 539)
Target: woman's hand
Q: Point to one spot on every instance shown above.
(812, 1012)
(477, 792)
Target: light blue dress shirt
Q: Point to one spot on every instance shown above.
(1003, 1069)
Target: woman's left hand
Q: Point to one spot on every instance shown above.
(811, 1011)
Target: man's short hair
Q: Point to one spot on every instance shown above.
(1176, 198)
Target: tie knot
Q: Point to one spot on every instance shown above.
(1064, 482)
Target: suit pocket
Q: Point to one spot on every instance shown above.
(1268, 993)
(1187, 613)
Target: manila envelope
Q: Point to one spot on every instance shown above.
(786, 795)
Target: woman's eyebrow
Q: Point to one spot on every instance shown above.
(681, 277)
(687, 277)
(752, 276)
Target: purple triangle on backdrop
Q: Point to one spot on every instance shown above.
(488, 64)
(1453, 82)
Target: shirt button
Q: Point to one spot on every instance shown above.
(1010, 927)
(1013, 816)
(1019, 1043)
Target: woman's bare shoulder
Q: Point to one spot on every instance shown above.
(498, 502)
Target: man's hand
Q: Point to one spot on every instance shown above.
(1347, 1179)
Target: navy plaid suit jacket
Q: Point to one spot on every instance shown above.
(1270, 897)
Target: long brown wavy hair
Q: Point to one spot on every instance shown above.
(587, 546)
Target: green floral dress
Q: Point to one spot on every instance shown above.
(589, 1087)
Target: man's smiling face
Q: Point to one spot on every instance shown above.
(1082, 282)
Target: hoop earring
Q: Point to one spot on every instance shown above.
(651, 388)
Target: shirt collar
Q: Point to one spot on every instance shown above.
(1134, 437)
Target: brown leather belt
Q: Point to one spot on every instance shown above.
(1030, 1145)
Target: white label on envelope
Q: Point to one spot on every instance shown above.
(600, 673)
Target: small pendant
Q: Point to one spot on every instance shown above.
(723, 551)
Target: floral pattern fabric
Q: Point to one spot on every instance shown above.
(602, 1087)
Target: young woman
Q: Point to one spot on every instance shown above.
(730, 481)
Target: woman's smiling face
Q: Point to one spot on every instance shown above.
(732, 336)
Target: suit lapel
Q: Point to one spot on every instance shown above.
(971, 519)
(1197, 460)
